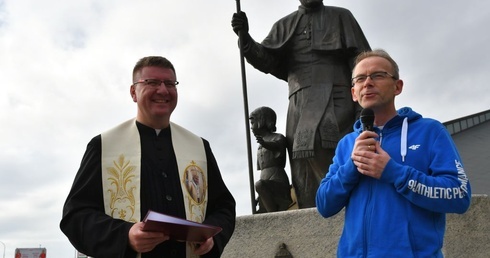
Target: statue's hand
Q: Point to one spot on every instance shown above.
(239, 22)
(259, 139)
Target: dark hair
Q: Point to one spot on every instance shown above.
(379, 53)
(265, 116)
(157, 61)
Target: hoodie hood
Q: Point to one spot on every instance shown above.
(405, 116)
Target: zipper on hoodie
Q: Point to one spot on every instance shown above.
(367, 222)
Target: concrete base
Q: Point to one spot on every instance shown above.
(307, 234)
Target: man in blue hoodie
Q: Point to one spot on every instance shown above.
(396, 182)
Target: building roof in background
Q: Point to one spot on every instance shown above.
(472, 137)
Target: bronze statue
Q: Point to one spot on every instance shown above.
(273, 187)
(313, 50)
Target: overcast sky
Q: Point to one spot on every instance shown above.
(65, 71)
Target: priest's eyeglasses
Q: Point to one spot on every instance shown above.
(376, 76)
(156, 83)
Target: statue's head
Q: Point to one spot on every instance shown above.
(311, 3)
(263, 118)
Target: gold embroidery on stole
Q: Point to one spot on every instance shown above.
(122, 201)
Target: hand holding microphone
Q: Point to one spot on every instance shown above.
(367, 155)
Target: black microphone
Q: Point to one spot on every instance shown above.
(367, 119)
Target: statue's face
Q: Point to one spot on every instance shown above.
(311, 3)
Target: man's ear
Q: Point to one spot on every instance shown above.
(353, 93)
(132, 91)
(398, 87)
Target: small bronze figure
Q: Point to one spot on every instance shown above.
(273, 187)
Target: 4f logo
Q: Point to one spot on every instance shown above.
(414, 147)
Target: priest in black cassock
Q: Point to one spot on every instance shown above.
(140, 165)
(313, 50)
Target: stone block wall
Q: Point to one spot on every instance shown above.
(306, 234)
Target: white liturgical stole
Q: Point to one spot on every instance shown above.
(121, 173)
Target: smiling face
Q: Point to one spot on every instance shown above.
(378, 94)
(155, 104)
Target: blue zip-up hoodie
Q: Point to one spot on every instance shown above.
(402, 214)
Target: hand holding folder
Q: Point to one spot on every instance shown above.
(177, 228)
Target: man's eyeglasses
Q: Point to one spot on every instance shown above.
(377, 76)
(156, 83)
